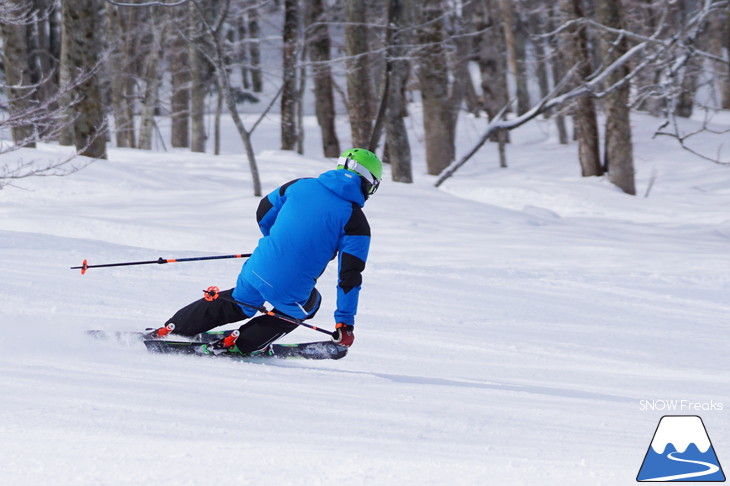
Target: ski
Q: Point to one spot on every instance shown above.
(119, 336)
(313, 350)
(126, 337)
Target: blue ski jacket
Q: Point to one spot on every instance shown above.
(305, 224)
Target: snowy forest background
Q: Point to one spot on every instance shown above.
(91, 73)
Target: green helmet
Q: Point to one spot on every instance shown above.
(364, 163)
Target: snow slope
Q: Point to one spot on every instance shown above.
(510, 324)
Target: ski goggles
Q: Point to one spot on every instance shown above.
(352, 165)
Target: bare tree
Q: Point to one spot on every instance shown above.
(289, 91)
(718, 39)
(318, 42)
(619, 159)
(398, 68)
(81, 22)
(584, 112)
(492, 67)
(359, 93)
(433, 75)
(152, 77)
(43, 119)
(122, 67)
(198, 34)
(254, 51)
(515, 36)
(20, 88)
(663, 51)
(180, 75)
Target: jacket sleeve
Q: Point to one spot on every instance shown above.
(353, 253)
(269, 207)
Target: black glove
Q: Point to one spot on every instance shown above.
(344, 334)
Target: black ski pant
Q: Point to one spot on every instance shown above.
(204, 315)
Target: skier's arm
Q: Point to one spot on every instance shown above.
(353, 254)
(269, 207)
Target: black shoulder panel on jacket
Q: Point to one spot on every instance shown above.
(283, 188)
(358, 224)
(264, 207)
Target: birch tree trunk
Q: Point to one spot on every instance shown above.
(318, 42)
(289, 91)
(180, 76)
(399, 148)
(584, 116)
(152, 79)
(619, 158)
(254, 52)
(80, 24)
(493, 68)
(118, 71)
(434, 80)
(557, 70)
(685, 101)
(198, 91)
(719, 45)
(725, 80)
(17, 77)
(514, 33)
(359, 93)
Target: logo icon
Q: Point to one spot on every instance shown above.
(681, 451)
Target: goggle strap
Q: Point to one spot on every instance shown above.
(352, 165)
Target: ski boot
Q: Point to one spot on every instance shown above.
(226, 344)
(160, 332)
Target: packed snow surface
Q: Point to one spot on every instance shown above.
(516, 326)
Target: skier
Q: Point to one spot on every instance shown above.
(305, 223)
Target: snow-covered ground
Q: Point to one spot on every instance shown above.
(511, 322)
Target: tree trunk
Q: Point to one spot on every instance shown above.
(80, 24)
(684, 104)
(557, 70)
(242, 53)
(217, 122)
(718, 38)
(66, 135)
(461, 22)
(289, 90)
(492, 64)
(117, 74)
(537, 15)
(42, 57)
(180, 76)
(300, 106)
(584, 117)
(619, 159)
(318, 42)
(359, 94)
(18, 77)
(725, 80)
(399, 148)
(434, 81)
(198, 91)
(152, 79)
(254, 52)
(514, 33)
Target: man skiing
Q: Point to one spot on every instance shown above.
(305, 223)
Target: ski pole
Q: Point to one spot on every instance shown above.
(212, 293)
(85, 265)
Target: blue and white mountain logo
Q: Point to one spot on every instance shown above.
(681, 451)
